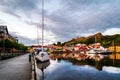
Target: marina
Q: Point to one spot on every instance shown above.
(60, 69)
(107, 68)
(59, 40)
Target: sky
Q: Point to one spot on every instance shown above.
(63, 19)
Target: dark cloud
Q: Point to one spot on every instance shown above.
(27, 41)
(19, 4)
(11, 13)
(83, 4)
(67, 19)
(18, 8)
(84, 16)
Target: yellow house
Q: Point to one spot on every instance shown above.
(115, 48)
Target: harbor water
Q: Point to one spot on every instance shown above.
(61, 69)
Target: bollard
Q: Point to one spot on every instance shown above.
(29, 57)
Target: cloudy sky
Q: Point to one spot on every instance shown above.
(64, 19)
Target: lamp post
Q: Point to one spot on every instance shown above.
(3, 42)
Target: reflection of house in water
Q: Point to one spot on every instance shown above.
(115, 56)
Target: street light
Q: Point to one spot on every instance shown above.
(3, 41)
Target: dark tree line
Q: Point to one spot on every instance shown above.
(8, 45)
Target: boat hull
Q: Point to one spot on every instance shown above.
(42, 57)
(104, 53)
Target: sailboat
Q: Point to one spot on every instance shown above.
(43, 55)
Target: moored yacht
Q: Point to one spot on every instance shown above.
(42, 55)
(98, 49)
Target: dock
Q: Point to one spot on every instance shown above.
(17, 68)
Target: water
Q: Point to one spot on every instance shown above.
(106, 69)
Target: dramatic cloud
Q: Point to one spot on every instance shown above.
(64, 19)
(83, 16)
(19, 4)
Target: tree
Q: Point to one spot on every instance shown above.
(10, 45)
(54, 44)
(89, 41)
(59, 43)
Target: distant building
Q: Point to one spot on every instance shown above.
(115, 48)
(13, 39)
(33, 47)
(51, 48)
(4, 34)
(80, 47)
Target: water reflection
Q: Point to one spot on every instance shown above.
(70, 69)
(65, 70)
(111, 69)
(41, 66)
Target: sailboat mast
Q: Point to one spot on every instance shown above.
(37, 35)
(42, 24)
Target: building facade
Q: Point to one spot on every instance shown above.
(115, 48)
(4, 34)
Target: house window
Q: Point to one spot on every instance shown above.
(2, 34)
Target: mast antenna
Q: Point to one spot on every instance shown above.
(42, 24)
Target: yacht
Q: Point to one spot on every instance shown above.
(99, 51)
(42, 55)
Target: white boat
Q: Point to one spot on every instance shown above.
(99, 51)
(42, 56)
(91, 51)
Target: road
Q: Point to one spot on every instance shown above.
(17, 68)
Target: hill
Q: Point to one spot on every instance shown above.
(106, 40)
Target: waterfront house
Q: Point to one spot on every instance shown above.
(4, 34)
(115, 48)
